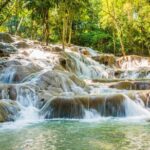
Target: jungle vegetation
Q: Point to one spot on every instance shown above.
(120, 27)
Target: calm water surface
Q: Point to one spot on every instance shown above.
(77, 135)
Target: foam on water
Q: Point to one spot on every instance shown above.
(134, 64)
(134, 112)
(135, 109)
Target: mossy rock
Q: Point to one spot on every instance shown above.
(6, 38)
(9, 110)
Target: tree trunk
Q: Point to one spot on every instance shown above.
(46, 26)
(118, 28)
(120, 38)
(114, 42)
(70, 33)
(19, 25)
(122, 45)
(64, 33)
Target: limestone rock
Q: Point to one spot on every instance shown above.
(6, 49)
(131, 85)
(9, 110)
(21, 44)
(6, 38)
(75, 106)
(107, 59)
(16, 73)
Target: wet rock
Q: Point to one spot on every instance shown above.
(6, 49)
(106, 59)
(59, 68)
(63, 62)
(6, 38)
(21, 44)
(114, 106)
(63, 80)
(12, 92)
(85, 52)
(140, 73)
(47, 48)
(17, 73)
(7, 63)
(75, 48)
(9, 110)
(75, 106)
(131, 85)
(142, 97)
(63, 108)
(8, 91)
(57, 49)
(132, 62)
(82, 50)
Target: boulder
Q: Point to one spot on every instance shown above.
(9, 110)
(65, 81)
(21, 44)
(6, 38)
(57, 49)
(106, 59)
(141, 97)
(6, 49)
(8, 91)
(16, 73)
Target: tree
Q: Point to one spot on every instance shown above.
(41, 8)
(69, 11)
(112, 17)
(126, 20)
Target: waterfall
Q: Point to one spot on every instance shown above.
(27, 100)
(135, 109)
(48, 84)
(129, 108)
(7, 75)
(88, 68)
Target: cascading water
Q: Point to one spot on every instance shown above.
(27, 100)
(44, 87)
(88, 68)
(8, 75)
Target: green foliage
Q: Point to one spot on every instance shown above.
(130, 21)
(110, 26)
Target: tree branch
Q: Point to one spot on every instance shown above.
(4, 5)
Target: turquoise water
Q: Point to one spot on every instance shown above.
(77, 135)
